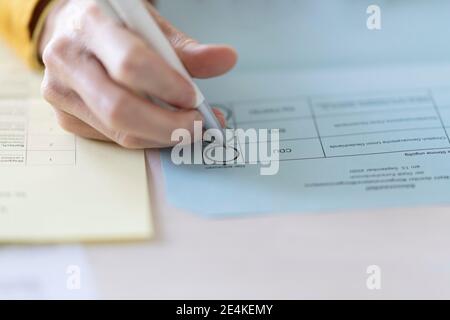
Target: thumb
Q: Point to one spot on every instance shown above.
(201, 61)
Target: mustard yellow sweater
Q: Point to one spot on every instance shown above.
(21, 22)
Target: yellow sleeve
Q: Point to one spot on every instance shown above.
(15, 27)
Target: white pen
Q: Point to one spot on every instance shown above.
(134, 14)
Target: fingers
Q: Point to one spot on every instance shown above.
(202, 61)
(97, 73)
(72, 114)
(122, 111)
(72, 124)
(64, 104)
(131, 62)
(206, 61)
(92, 123)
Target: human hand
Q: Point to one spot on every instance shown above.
(97, 73)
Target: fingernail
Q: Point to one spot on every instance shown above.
(191, 99)
(186, 97)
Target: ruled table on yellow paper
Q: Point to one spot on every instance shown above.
(56, 187)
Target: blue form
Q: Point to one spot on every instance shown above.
(339, 152)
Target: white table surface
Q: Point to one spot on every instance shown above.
(279, 256)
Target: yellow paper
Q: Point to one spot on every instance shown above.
(55, 187)
(58, 187)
